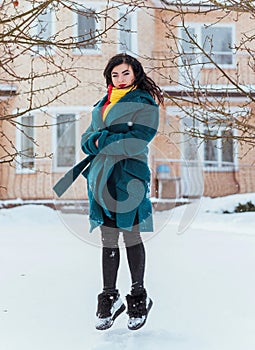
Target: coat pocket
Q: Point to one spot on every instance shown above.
(134, 180)
(137, 169)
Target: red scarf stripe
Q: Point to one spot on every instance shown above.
(110, 87)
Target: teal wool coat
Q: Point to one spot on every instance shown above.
(118, 177)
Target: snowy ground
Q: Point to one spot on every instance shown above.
(201, 279)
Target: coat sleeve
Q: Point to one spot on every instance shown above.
(134, 141)
(88, 141)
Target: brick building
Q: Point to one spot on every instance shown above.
(189, 169)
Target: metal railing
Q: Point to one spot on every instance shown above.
(192, 179)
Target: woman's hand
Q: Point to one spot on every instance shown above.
(96, 143)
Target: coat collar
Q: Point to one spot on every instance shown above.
(97, 113)
(121, 108)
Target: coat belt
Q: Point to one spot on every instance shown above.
(66, 181)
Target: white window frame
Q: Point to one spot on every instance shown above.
(19, 136)
(231, 52)
(86, 51)
(47, 50)
(57, 168)
(218, 165)
(133, 33)
(198, 33)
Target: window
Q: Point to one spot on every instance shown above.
(210, 149)
(218, 43)
(127, 32)
(86, 30)
(44, 30)
(25, 144)
(215, 40)
(190, 62)
(219, 149)
(188, 49)
(65, 140)
(190, 143)
(216, 147)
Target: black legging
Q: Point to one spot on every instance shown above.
(111, 257)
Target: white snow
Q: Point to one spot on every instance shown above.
(200, 275)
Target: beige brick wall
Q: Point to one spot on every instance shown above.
(152, 41)
(88, 68)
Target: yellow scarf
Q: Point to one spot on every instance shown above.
(115, 96)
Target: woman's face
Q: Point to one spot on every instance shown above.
(122, 76)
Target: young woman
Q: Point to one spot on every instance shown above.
(123, 124)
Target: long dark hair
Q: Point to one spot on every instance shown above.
(142, 81)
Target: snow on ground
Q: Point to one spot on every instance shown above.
(200, 275)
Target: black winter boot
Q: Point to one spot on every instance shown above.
(138, 309)
(110, 306)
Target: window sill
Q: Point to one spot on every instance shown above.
(215, 169)
(43, 52)
(88, 52)
(212, 66)
(25, 171)
(62, 170)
